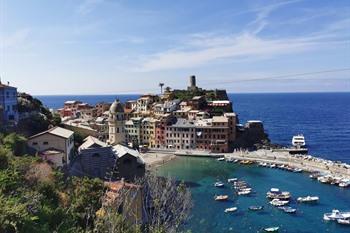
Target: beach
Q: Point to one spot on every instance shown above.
(156, 159)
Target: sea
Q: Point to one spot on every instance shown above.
(324, 120)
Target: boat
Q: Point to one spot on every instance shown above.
(221, 198)
(231, 180)
(271, 229)
(344, 184)
(315, 175)
(220, 159)
(308, 199)
(298, 141)
(335, 215)
(232, 209)
(277, 202)
(345, 221)
(219, 184)
(275, 193)
(287, 209)
(256, 208)
(297, 170)
(244, 192)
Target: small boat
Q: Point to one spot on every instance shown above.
(287, 209)
(345, 221)
(277, 202)
(221, 198)
(344, 184)
(256, 208)
(275, 193)
(229, 210)
(315, 175)
(220, 159)
(231, 180)
(219, 184)
(244, 192)
(235, 161)
(308, 199)
(335, 215)
(297, 170)
(271, 229)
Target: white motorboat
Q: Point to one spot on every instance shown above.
(271, 229)
(344, 221)
(308, 199)
(287, 209)
(277, 202)
(229, 210)
(221, 198)
(275, 193)
(220, 159)
(244, 192)
(231, 180)
(297, 170)
(219, 184)
(335, 215)
(298, 141)
(344, 184)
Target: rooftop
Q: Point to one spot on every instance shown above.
(57, 131)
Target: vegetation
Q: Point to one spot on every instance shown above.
(35, 116)
(34, 197)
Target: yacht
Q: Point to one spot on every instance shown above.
(298, 141)
(345, 221)
(256, 208)
(287, 209)
(336, 215)
(308, 199)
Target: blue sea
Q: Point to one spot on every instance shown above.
(323, 118)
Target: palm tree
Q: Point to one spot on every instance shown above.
(161, 87)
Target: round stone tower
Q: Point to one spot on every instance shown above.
(116, 124)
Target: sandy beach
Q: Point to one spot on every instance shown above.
(156, 159)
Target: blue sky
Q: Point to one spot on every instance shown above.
(120, 46)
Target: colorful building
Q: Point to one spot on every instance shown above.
(8, 104)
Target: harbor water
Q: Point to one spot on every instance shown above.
(208, 215)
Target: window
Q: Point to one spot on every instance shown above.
(34, 143)
(45, 143)
(95, 155)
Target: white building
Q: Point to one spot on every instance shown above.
(54, 145)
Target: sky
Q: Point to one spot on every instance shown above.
(130, 46)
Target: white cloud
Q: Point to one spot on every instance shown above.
(205, 50)
(87, 6)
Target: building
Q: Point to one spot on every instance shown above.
(160, 130)
(144, 103)
(192, 86)
(101, 108)
(133, 131)
(168, 106)
(99, 160)
(116, 123)
(181, 135)
(147, 132)
(54, 145)
(218, 107)
(8, 104)
(198, 103)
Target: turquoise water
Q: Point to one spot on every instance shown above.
(208, 215)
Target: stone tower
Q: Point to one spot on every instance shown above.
(116, 124)
(192, 86)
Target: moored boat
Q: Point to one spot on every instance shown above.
(308, 199)
(271, 229)
(231, 180)
(220, 159)
(221, 198)
(287, 209)
(219, 184)
(275, 193)
(244, 192)
(256, 208)
(232, 209)
(335, 215)
(345, 221)
(277, 202)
